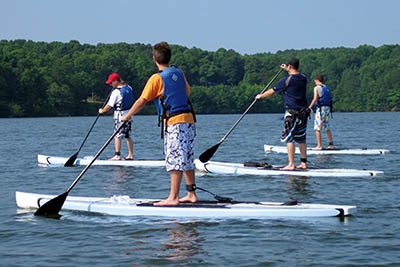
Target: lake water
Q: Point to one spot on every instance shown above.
(369, 238)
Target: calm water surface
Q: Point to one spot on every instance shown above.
(371, 237)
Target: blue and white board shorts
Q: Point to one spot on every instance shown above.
(179, 146)
(125, 132)
(295, 129)
(321, 119)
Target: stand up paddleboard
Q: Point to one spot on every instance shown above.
(240, 169)
(344, 151)
(60, 161)
(125, 206)
(214, 167)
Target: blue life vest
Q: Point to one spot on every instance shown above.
(174, 100)
(326, 98)
(127, 98)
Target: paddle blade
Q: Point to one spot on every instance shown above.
(52, 207)
(206, 156)
(71, 160)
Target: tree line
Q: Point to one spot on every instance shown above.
(67, 79)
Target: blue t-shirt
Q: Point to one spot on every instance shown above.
(294, 93)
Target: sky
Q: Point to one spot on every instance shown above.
(248, 27)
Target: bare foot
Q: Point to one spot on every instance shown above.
(189, 198)
(167, 202)
(287, 168)
(302, 166)
(331, 147)
(316, 148)
(116, 157)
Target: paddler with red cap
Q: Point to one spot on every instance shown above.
(121, 100)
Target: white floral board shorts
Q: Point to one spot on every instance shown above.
(125, 132)
(321, 119)
(179, 146)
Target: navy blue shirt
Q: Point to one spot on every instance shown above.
(294, 93)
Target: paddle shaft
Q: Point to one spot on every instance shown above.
(96, 156)
(206, 155)
(91, 128)
(87, 135)
(71, 160)
(251, 105)
(53, 206)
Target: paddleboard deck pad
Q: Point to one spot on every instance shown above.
(44, 160)
(240, 169)
(126, 206)
(344, 151)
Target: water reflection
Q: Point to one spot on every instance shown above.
(321, 161)
(178, 242)
(183, 243)
(345, 220)
(120, 178)
(298, 185)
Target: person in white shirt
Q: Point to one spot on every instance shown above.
(121, 100)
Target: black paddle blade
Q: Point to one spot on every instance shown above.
(71, 160)
(207, 155)
(52, 207)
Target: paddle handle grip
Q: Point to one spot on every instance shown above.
(96, 156)
(251, 105)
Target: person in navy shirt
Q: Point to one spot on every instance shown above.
(293, 88)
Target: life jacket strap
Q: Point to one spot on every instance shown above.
(164, 124)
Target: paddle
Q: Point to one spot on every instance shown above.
(71, 160)
(53, 206)
(206, 156)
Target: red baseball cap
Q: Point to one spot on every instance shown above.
(112, 77)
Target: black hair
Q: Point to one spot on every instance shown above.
(294, 62)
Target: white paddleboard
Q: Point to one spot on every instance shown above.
(345, 151)
(125, 206)
(44, 160)
(239, 169)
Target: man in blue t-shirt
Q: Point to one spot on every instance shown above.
(293, 89)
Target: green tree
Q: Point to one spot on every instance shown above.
(56, 79)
